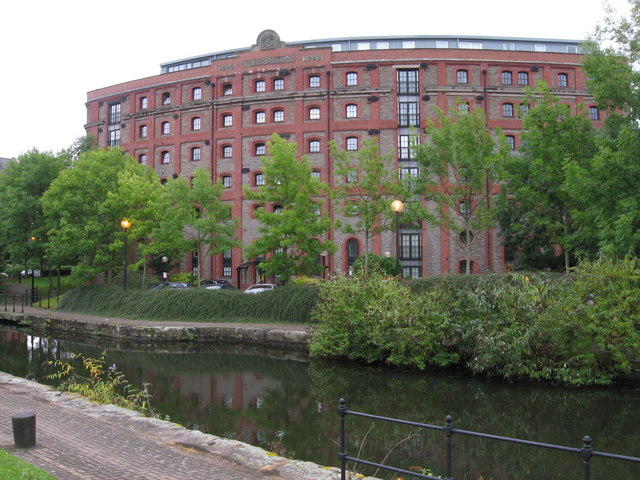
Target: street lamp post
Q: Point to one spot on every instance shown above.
(397, 206)
(125, 224)
(164, 260)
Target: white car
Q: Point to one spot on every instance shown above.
(27, 273)
(260, 287)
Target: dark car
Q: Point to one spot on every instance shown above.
(161, 285)
(206, 283)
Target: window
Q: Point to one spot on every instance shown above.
(352, 79)
(314, 81)
(508, 46)
(114, 137)
(195, 123)
(594, 113)
(463, 108)
(463, 266)
(144, 103)
(314, 113)
(314, 146)
(261, 85)
(277, 209)
(164, 157)
(408, 175)
(462, 76)
(352, 143)
(563, 80)
(466, 236)
(540, 47)
(166, 98)
(408, 44)
(142, 159)
(524, 109)
(352, 175)
(258, 179)
(411, 271)
(226, 181)
(195, 154)
(261, 117)
(507, 78)
(143, 131)
(227, 120)
(353, 251)
(363, 46)
(227, 89)
(408, 114)
(523, 78)
(278, 115)
(261, 149)
(196, 94)
(315, 174)
(278, 84)
(464, 208)
(410, 246)
(442, 44)
(471, 45)
(507, 109)
(165, 128)
(511, 140)
(227, 151)
(114, 113)
(226, 262)
(407, 82)
(405, 142)
(352, 111)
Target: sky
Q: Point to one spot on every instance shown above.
(53, 53)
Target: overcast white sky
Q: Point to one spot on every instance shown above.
(53, 53)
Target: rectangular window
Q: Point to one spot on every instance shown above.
(471, 45)
(352, 175)
(412, 271)
(259, 179)
(407, 82)
(540, 47)
(227, 120)
(114, 113)
(462, 76)
(314, 81)
(226, 263)
(523, 78)
(278, 116)
(142, 159)
(507, 78)
(261, 86)
(196, 123)
(227, 151)
(382, 45)
(226, 181)
(408, 115)
(314, 146)
(314, 113)
(508, 46)
(352, 143)
(364, 46)
(278, 84)
(405, 142)
(594, 113)
(195, 154)
(143, 131)
(352, 79)
(408, 44)
(114, 137)
(442, 44)
(144, 103)
(197, 93)
(410, 246)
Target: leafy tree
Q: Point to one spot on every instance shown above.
(23, 230)
(608, 185)
(85, 205)
(461, 165)
(196, 218)
(366, 183)
(540, 206)
(292, 234)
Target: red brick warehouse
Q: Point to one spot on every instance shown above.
(219, 110)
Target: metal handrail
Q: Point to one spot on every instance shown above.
(585, 451)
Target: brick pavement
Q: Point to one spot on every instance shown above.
(78, 439)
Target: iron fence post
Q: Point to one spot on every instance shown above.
(342, 407)
(586, 456)
(448, 430)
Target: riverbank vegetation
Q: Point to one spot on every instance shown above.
(578, 329)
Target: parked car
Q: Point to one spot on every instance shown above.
(27, 273)
(220, 286)
(206, 283)
(260, 287)
(161, 285)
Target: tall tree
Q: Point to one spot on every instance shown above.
(84, 207)
(554, 139)
(461, 165)
(292, 223)
(23, 230)
(366, 184)
(201, 217)
(608, 185)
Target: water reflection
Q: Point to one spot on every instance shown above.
(284, 403)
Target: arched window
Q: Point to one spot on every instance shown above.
(196, 93)
(314, 113)
(227, 151)
(261, 85)
(165, 157)
(165, 128)
(227, 89)
(563, 80)
(523, 78)
(196, 123)
(226, 181)
(260, 149)
(258, 179)
(143, 131)
(278, 115)
(353, 251)
(196, 153)
(227, 120)
(261, 117)
(314, 81)
(314, 146)
(166, 98)
(352, 143)
(507, 109)
(507, 78)
(278, 84)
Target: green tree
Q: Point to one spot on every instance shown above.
(461, 165)
(366, 184)
(607, 186)
(292, 234)
(540, 206)
(84, 207)
(23, 230)
(196, 218)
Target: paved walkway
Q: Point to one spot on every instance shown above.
(78, 439)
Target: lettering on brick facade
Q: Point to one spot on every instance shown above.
(312, 58)
(229, 66)
(269, 60)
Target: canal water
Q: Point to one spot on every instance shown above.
(283, 402)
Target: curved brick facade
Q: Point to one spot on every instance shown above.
(217, 110)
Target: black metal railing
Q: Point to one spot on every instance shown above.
(586, 453)
(36, 297)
